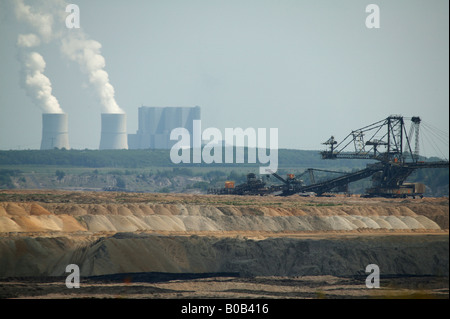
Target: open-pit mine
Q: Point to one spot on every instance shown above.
(137, 245)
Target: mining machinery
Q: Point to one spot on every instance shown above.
(393, 148)
(253, 186)
(390, 181)
(388, 134)
(257, 186)
(394, 151)
(291, 184)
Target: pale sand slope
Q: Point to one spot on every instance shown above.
(129, 217)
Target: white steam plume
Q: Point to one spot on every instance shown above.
(36, 84)
(47, 18)
(86, 52)
(28, 40)
(41, 22)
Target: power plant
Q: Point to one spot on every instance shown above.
(156, 123)
(55, 131)
(114, 131)
(154, 127)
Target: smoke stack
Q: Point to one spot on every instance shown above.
(114, 131)
(55, 131)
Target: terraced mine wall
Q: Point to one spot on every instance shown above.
(304, 238)
(127, 253)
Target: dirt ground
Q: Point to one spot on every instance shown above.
(234, 287)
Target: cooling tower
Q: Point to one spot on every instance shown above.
(55, 131)
(114, 131)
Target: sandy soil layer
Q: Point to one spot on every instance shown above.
(123, 212)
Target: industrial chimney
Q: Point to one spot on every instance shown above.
(114, 131)
(55, 131)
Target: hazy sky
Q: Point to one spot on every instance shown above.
(310, 68)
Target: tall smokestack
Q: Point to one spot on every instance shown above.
(114, 131)
(55, 130)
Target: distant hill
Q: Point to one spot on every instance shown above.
(152, 170)
(156, 158)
